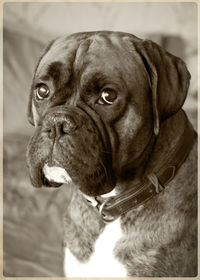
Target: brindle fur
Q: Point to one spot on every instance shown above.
(110, 147)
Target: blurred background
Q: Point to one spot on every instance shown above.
(32, 241)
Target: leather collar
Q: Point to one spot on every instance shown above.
(112, 207)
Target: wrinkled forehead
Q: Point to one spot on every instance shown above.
(108, 52)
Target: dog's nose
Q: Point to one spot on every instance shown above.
(58, 125)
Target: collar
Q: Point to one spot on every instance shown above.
(111, 207)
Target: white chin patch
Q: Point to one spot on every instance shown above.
(56, 174)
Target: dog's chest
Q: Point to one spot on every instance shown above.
(102, 262)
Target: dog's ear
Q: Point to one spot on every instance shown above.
(32, 114)
(30, 111)
(169, 80)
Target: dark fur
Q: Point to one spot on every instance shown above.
(117, 145)
(160, 237)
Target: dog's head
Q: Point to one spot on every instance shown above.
(97, 101)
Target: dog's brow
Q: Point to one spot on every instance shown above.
(54, 71)
(94, 80)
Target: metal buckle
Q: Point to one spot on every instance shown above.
(93, 201)
(106, 218)
(154, 180)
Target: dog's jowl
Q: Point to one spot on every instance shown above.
(107, 111)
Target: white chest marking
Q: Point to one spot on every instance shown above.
(102, 263)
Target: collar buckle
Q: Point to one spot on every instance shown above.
(106, 218)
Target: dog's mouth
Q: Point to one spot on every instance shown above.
(54, 176)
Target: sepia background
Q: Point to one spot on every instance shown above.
(32, 240)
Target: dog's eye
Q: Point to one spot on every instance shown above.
(42, 91)
(107, 97)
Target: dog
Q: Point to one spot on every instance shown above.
(108, 117)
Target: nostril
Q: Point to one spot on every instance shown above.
(51, 132)
(68, 125)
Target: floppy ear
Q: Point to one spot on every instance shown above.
(32, 114)
(30, 110)
(169, 79)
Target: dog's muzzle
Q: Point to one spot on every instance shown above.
(71, 144)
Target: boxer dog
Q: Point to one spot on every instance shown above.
(107, 108)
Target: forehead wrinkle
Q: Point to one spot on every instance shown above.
(85, 58)
(100, 50)
(94, 41)
(81, 53)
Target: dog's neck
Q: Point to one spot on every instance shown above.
(159, 170)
